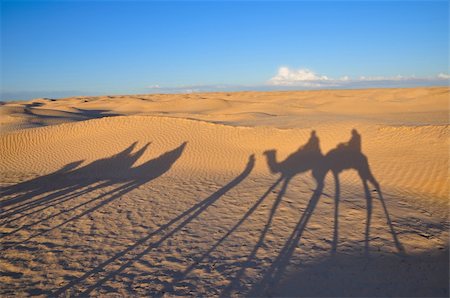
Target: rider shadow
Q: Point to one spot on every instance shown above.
(70, 184)
(348, 156)
(309, 158)
(69, 176)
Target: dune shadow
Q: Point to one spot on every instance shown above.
(41, 115)
(93, 114)
(33, 104)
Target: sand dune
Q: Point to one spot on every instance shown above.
(153, 194)
(415, 106)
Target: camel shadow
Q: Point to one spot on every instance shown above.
(309, 158)
(346, 156)
(118, 175)
(67, 179)
(306, 158)
(114, 175)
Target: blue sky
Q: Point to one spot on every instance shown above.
(64, 48)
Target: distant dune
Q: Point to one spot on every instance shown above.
(211, 194)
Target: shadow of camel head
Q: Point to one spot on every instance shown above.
(345, 156)
(271, 156)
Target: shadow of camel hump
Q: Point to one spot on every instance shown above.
(307, 157)
(156, 167)
(71, 178)
(114, 169)
(116, 178)
(349, 156)
(345, 156)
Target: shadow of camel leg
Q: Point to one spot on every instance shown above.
(276, 270)
(337, 194)
(369, 216)
(198, 260)
(235, 283)
(397, 243)
(371, 178)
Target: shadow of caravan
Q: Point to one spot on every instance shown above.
(345, 156)
(114, 175)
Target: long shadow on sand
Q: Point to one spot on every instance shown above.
(117, 172)
(36, 195)
(310, 158)
(307, 158)
(165, 231)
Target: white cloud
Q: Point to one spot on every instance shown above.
(290, 77)
(382, 78)
(302, 77)
(295, 79)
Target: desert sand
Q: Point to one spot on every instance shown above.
(227, 194)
